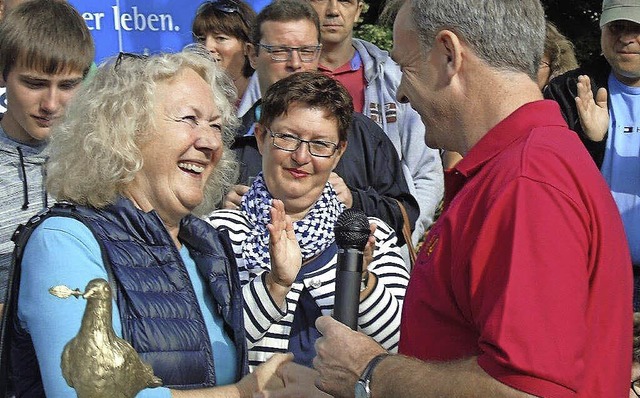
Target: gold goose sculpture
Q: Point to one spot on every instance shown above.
(97, 363)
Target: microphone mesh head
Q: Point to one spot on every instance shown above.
(352, 229)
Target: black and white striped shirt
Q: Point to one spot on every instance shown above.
(268, 326)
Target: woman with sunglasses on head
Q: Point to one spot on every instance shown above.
(143, 147)
(224, 28)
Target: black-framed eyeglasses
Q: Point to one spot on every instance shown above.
(635, 387)
(124, 55)
(291, 143)
(225, 6)
(284, 53)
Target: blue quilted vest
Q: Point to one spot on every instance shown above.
(167, 330)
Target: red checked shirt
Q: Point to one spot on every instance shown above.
(528, 267)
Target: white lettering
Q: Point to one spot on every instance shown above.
(99, 16)
(167, 23)
(141, 21)
(116, 17)
(124, 18)
(91, 17)
(150, 20)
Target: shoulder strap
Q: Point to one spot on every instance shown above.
(20, 238)
(406, 233)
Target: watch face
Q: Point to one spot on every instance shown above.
(361, 389)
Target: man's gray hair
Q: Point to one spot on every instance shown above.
(506, 34)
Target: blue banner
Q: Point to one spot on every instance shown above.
(140, 26)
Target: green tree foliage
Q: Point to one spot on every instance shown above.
(371, 30)
(379, 35)
(576, 19)
(579, 21)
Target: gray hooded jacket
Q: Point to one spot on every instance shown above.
(22, 194)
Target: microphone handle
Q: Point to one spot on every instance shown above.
(348, 278)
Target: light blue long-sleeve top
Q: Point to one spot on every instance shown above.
(63, 251)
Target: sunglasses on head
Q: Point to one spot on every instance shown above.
(225, 6)
(125, 55)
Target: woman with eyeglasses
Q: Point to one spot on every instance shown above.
(224, 28)
(291, 209)
(143, 147)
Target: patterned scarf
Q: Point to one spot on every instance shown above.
(314, 232)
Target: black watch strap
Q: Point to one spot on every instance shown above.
(368, 371)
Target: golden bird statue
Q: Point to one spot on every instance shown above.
(97, 363)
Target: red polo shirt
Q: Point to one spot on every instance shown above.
(528, 267)
(351, 75)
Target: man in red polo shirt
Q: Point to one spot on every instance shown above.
(523, 286)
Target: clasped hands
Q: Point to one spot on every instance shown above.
(342, 355)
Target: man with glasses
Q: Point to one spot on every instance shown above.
(600, 101)
(372, 79)
(369, 177)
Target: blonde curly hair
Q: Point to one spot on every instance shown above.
(559, 50)
(95, 151)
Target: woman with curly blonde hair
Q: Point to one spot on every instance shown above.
(143, 145)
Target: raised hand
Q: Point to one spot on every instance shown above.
(286, 257)
(593, 112)
(343, 191)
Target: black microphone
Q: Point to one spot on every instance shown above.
(352, 233)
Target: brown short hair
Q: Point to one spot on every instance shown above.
(47, 35)
(313, 89)
(284, 11)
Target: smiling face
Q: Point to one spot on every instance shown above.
(229, 51)
(620, 41)
(418, 84)
(180, 155)
(337, 18)
(35, 100)
(298, 178)
(292, 34)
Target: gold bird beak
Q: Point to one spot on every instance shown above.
(89, 293)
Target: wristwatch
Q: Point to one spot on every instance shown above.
(363, 385)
